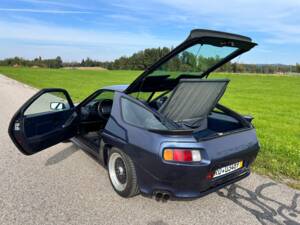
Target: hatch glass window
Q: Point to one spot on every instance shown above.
(194, 60)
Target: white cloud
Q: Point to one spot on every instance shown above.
(50, 33)
(63, 39)
(67, 52)
(270, 22)
(268, 17)
(124, 17)
(48, 11)
(54, 3)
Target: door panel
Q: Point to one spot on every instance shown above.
(46, 119)
(39, 124)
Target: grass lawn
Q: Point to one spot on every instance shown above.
(274, 101)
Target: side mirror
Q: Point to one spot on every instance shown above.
(57, 106)
(249, 118)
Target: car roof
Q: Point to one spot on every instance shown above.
(121, 87)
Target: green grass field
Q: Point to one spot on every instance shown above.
(274, 101)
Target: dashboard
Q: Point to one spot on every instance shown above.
(97, 110)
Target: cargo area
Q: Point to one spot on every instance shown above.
(218, 124)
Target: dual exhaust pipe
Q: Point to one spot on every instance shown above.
(161, 196)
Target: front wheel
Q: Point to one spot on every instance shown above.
(122, 173)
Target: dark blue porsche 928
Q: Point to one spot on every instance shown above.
(165, 134)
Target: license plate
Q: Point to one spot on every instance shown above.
(228, 169)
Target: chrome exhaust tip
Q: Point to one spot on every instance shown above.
(161, 196)
(158, 196)
(165, 197)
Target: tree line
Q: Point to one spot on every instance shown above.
(185, 62)
(37, 62)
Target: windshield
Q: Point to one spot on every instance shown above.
(193, 61)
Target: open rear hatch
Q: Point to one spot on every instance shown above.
(201, 53)
(181, 74)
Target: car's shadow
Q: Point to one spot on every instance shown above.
(267, 210)
(66, 153)
(62, 155)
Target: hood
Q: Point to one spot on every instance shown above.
(146, 82)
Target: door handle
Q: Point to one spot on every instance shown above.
(70, 120)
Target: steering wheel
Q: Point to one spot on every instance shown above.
(104, 108)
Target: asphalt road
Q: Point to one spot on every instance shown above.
(64, 185)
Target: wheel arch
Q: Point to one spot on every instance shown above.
(104, 152)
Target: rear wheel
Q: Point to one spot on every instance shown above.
(122, 173)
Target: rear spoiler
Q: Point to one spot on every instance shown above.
(202, 33)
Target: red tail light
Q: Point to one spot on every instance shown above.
(182, 155)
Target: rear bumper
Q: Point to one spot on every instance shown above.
(190, 190)
(190, 180)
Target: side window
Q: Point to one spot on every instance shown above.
(137, 115)
(105, 95)
(48, 102)
(108, 95)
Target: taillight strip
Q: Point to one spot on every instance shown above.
(181, 155)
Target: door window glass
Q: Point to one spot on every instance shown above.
(48, 102)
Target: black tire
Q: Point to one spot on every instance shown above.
(125, 183)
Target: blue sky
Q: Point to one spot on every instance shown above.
(106, 30)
